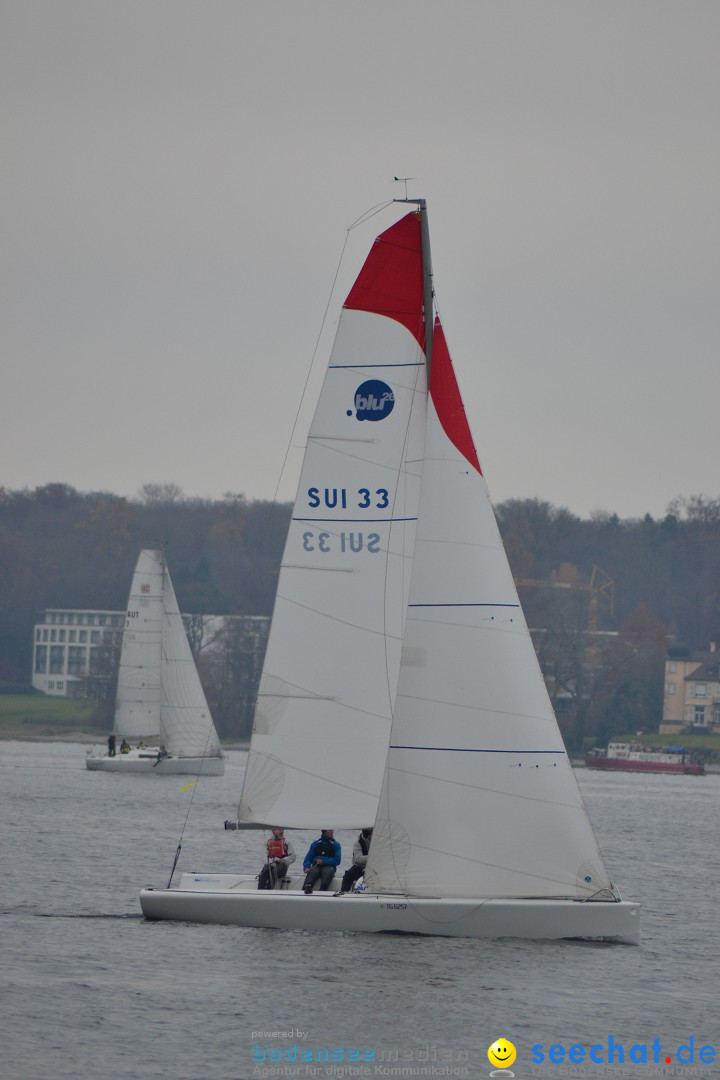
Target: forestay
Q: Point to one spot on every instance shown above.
(328, 687)
(479, 797)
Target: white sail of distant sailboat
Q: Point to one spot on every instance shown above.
(159, 694)
(401, 686)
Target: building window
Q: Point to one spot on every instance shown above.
(76, 660)
(71, 620)
(100, 661)
(669, 688)
(61, 635)
(101, 620)
(45, 635)
(700, 689)
(82, 635)
(41, 659)
(60, 686)
(699, 716)
(72, 635)
(51, 684)
(716, 713)
(57, 659)
(95, 637)
(672, 667)
(53, 635)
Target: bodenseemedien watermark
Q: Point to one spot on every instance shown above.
(297, 1060)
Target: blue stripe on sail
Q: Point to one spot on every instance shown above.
(472, 750)
(350, 520)
(487, 603)
(350, 367)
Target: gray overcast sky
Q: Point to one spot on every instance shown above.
(178, 178)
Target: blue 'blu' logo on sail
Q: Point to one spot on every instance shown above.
(374, 400)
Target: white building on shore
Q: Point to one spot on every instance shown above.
(71, 645)
(73, 649)
(691, 699)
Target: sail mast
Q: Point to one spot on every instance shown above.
(428, 292)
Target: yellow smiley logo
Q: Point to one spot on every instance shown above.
(502, 1053)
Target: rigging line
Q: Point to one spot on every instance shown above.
(362, 367)
(339, 621)
(476, 545)
(325, 779)
(303, 692)
(371, 213)
(508, 624)
(376, 209)
(483, 789)
(485, 710)
(570, 884)
(192, 799)
(363, 217)
(355, 457)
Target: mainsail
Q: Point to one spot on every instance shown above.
(479, 798)
(137, 702)
(328, 686)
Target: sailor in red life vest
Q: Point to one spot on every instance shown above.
(280, 853)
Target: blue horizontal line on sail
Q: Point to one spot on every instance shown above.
(472, 750)
(351, 367)
(351, 520)
(488, 603)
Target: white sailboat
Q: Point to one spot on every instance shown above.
(401, 687)
(159, 696)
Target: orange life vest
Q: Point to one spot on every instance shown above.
(276, 849)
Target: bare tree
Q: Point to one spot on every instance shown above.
(160, 494)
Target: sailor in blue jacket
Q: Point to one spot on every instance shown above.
(321, 861)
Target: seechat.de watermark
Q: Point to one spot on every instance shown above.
(615, 1053)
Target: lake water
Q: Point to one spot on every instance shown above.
(91, 991)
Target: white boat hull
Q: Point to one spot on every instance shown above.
(137, 762)
(237, 902)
